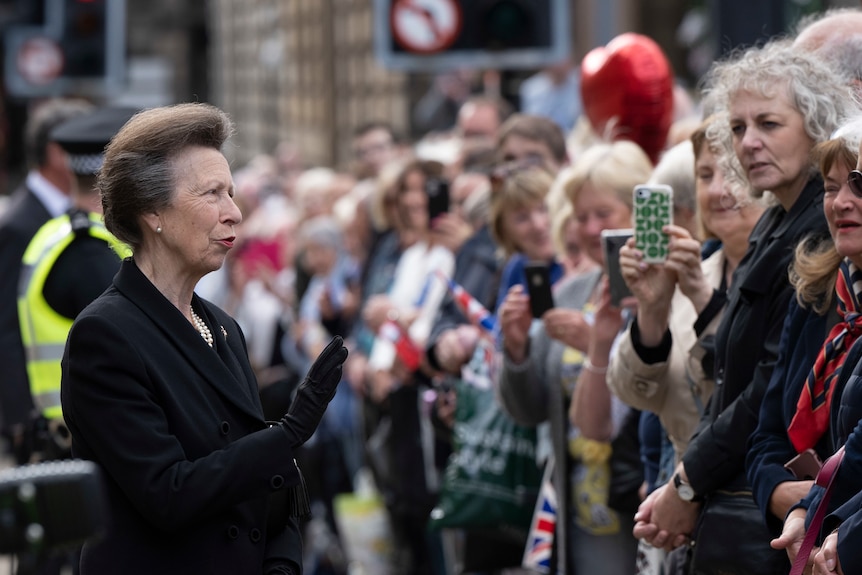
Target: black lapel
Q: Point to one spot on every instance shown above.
(230, 347)
(232, 384)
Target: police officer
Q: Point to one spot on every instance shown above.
(69, 262)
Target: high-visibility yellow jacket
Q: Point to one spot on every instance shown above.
(43, 330)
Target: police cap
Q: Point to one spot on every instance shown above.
(84, 137)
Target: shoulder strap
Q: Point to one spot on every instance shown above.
(825, 479)
(80, 221)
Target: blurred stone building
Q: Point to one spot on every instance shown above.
(305, 70)
(301, 70)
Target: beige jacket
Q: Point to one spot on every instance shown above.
(675, 389)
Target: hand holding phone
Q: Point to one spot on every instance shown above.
(437, 190)
(612, 241)
(539, 288)
(653, 210)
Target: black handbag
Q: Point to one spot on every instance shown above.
(731, 538)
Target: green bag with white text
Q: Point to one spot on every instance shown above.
(491, 479)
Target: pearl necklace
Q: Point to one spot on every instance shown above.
(202, 328)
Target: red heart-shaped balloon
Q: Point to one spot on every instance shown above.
(627, 92)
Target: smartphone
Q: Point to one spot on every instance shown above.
(806, 465)
(437, 190)
(653, 209)
(612, 241)
(539, 288)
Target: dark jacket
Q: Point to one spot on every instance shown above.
(191, 468)
(23, 217)
(845, 429)
(770, 448)
(849, 533)
(747, 342)
(68, 291)
(846, 499)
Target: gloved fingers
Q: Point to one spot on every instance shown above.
(332, 356)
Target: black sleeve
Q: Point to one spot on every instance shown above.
(651, 355)
(82, 272)
(715, 305)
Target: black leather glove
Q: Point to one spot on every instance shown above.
(314, 393)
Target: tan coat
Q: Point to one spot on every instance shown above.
(675, 389)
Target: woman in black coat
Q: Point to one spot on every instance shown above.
(157, 388)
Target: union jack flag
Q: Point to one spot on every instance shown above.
(537, 555)
(476, 313)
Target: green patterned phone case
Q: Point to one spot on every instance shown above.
(653, 207)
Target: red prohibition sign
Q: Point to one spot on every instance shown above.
(40, 61)
(425, 26)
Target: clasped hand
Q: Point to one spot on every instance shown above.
(664, 520)
(314, 393)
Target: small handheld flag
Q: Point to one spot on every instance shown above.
(537, 555)
(405, 349)
(476, 313)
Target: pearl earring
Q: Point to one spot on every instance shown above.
(159, 230)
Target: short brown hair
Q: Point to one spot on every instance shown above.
(537, 129)
(138, 173)
(521, 188)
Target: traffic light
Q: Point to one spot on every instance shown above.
(512, 24)
(79, 48)
(436, 35)
(84, 39)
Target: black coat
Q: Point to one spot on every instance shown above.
(747, 342)
(191, 468)
(23, 217)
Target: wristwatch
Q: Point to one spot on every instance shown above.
(684, 490)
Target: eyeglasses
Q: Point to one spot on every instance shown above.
(854, 182)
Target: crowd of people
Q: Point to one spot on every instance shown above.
(272, 336)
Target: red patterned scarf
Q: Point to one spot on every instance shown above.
(812, 410)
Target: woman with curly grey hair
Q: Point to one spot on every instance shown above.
(779, 102)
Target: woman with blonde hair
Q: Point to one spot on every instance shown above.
(520, 221)
(808, 407)
(555, 372)
(564, 229)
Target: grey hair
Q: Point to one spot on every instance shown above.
(323, 231)
(835, 36)
(676, 169)
(844, 54)
(822, 96)
(850, 132)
